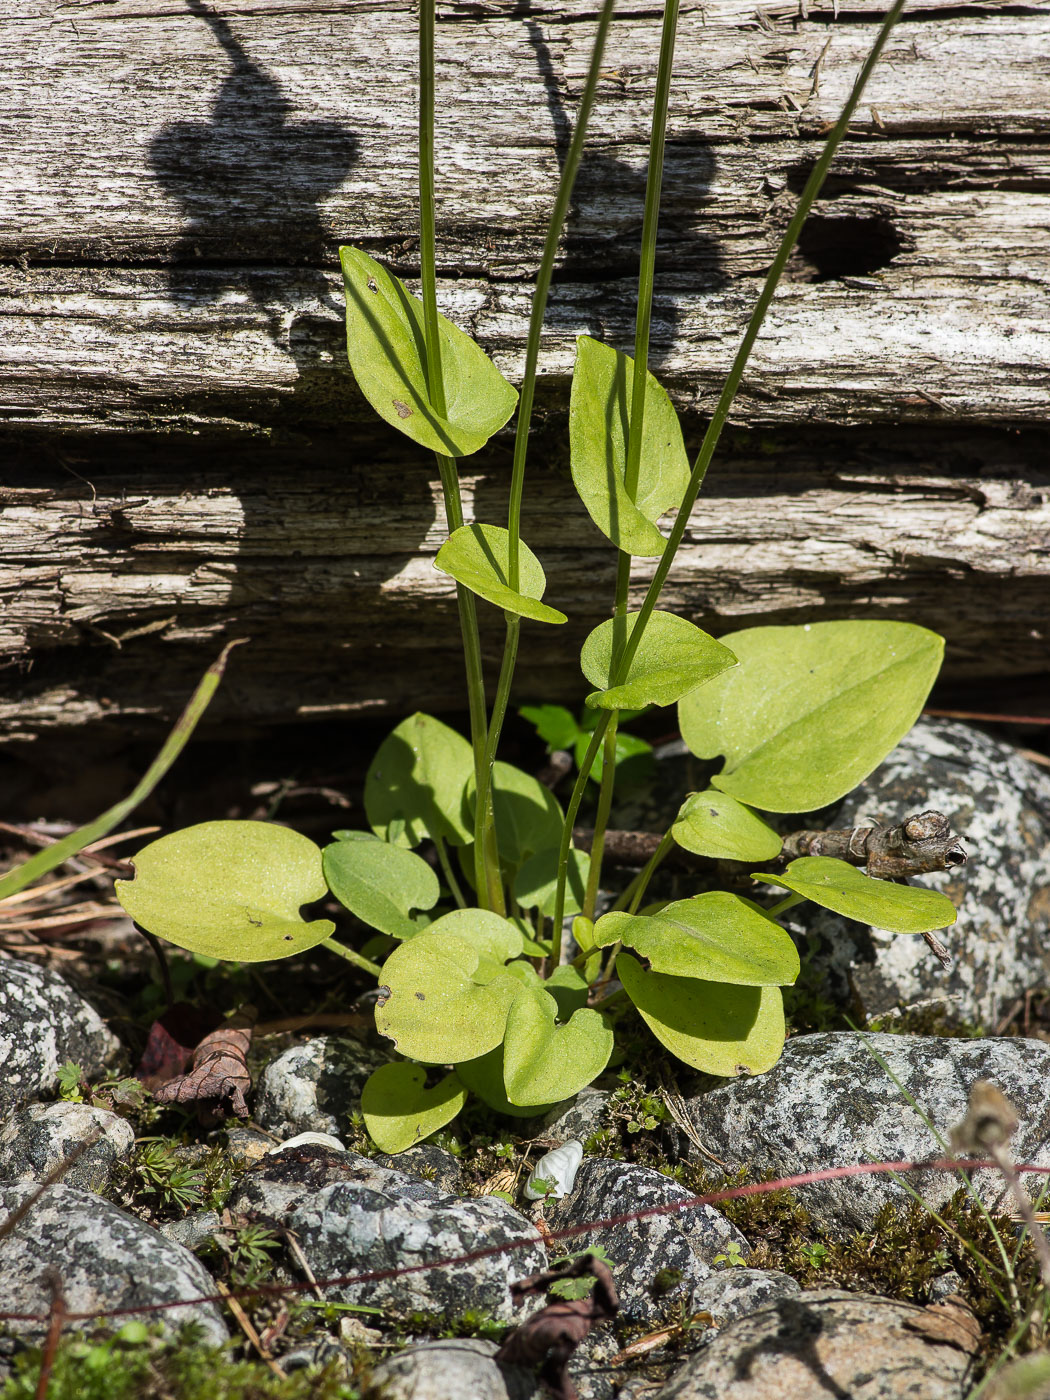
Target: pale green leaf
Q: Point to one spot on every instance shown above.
(674, 657)
(477, 557)
(543, 1061)
(836, 885)
(528, 817)
(599, 421)
(381, 883)
(536, 881)
(715, 825)
(711, 1026)
(484, 1077)
(810, 710)
(229, 890)
(386, 346)
(416, 784)
(717, 937)
(399, 1111)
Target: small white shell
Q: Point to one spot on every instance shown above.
(558, 1167)
(309, 1140)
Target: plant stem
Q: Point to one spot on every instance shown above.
(785, 905)
(754, 325)
(543, 282)
(632, 464)
(348, 953)
(558, 917)
(483, 798)
(447, 871)
(486, 855)
(653, 863)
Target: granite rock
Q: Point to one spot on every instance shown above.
(34, 1140)
(43, 1024)
(828, 1102)
(427, 1162)
(732, 1293)
(449, 1370)
(315, 1087)
(822, 1344)
(105, 1258)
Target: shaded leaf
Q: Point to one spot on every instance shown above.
(229, 890)
(386, 346)
(528, 817)
(717, 937)
(712, 1026)
(836, 885)
(484, 1077)
(674, 657)
(476, 556)
(416, 784)
(555, 725)
(599, 422)
(535, 882)
(630, 758)
(810, 710)
(400, 1111)
(714, 824)
(381, 883)
(543, 1061)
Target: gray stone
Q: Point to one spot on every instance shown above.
(191, 1231)
(449, 1370)
(105, 1258)
(732, 1293)
(823, 1344)
(999, 804)
(37, 1138)
(588, 1113)
(352, 1216)
(313, 1088)
(657, 1261)
(828, 1102)
(43, 1024)
(428, 1163)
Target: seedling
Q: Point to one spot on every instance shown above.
(487, 991)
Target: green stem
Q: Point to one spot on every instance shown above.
(447, 871)
(348, 953)
(558, 918)
(539, 299)
(655, 860)
(427, 262)
(785, 905)
(601, 817)
(754, 325)
(483, 800)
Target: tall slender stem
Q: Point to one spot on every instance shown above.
(483, 797)
(558, 918)
(543, 282)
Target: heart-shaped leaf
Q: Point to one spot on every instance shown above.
(528, 817)
(716, 825)
(843, 888)
(717, 937)
(416, 784)
(713, 1027)
(810, 710)
(535, 882)
(477, 557)
(484, 1077)
(229, 890)
(599, 423)
(398, 1110)
(568, 989)
(444, 995)
(381, 883)
(543, 1061)
(674, 657)
(386, 346)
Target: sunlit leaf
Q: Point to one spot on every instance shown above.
(381, 883)
(386, 346)
(810, 710)
(555, 725)
(543, 1061)
(674, 657)
(717, 937)
(229, 890)
(416, 784)
(712, 1026)
(714, 824)
(599, 421)
(477, 557)
(399, 1111)
(845, 889)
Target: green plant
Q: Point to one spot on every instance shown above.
(733, 1256)
(484, 991)
(113, 1094)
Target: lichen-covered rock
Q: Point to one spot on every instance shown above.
(828, 1102)
(817, 1345)
(36, 1139)
(105, 1259)
(428, 1163)
(449, 1370)
(43, 1024)
(314, 1087)
(657, 1261)
(191, 1231)
(999, 804)
(732, 1293)
(351, 1216)
(588, 1113)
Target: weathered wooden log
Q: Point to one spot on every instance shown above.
(188, 457)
